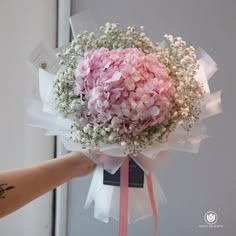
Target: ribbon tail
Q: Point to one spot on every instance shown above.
(152, 200)
(124, 191)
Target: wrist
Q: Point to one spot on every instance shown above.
(76, 164)
(73, 164)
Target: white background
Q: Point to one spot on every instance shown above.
(22, 25)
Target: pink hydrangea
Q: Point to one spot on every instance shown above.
(123, 88)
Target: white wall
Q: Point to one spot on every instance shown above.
(22, 25)
(193, 184)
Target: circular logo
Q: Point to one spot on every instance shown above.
(210, 217)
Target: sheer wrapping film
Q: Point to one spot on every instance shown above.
(81, 22)
(110, 157)
(139, 203)
(43, 114)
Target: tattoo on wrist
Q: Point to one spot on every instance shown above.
(3, 189)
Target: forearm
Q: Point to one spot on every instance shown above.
(29, 183)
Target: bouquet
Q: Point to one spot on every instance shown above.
(123, 99)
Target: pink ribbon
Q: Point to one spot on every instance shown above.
(124, 197)
(153, 202)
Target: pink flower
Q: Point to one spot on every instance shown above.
(124, 88)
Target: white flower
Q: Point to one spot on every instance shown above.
(123, 143)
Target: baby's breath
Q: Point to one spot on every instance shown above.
(176, 56)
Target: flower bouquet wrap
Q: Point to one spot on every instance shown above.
(122, 100)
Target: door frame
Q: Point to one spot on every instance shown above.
(61, 193)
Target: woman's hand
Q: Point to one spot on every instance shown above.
(20, 186)
(82, 165)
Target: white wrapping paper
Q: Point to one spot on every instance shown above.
(110, 157)
(139, 203)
